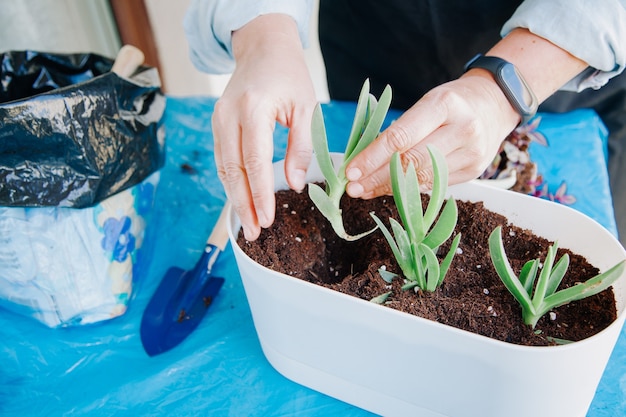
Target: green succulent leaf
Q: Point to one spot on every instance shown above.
(380, 299)
(528, 274)
(414, 217)
(586, 289)
(505, 272)
(432, 267)
(407, 198)
(392, 243)
(320, 147)
(360, 118)
(323, 202)
(558, 272)
(403, 240)
(387, 276)
(558, 341)
(329, 209)
(443, 229)
(409, 285)
(544, 277)
(445, 264)
(440, 186)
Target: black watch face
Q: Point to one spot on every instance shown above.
(519, 89)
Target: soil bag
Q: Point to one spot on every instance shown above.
(80, 153)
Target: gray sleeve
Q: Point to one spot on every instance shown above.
(594, 31)
(209, 24)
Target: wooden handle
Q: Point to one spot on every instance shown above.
(219, 235)
(128, 59)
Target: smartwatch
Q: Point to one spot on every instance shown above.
(509, 79)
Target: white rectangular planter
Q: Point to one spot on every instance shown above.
(325, 340)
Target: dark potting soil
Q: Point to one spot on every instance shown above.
(301, 243)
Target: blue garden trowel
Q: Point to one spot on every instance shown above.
(183, 297)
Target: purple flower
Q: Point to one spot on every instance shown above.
(561, 195)
(117, 238)
(527, 133)
(541, 192)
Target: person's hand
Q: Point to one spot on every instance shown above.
(270, 84)
(466, 119)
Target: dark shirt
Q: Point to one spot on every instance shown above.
(413, 45)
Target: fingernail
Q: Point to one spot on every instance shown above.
(247, 233)
(298, 179)
(353, 174)
(262, 218)
(354, 189)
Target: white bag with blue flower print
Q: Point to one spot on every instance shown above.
(66, 266)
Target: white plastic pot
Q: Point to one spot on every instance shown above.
(326, 340)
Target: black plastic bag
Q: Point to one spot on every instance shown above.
(73, 133)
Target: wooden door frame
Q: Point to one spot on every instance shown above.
(133, 24)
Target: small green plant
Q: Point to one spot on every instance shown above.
(369, 117)
(415, 245)
(538, 299)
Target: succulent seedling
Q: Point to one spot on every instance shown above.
(369, 117)
(540, 297)
(415, 245)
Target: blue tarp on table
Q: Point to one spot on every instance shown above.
(102, 369)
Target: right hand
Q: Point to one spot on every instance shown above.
(270, 84)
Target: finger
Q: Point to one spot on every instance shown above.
(257, 146)
(230, 169)
(299, 148)
(468, 166)
(374, 185)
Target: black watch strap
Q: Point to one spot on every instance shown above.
(513, 85)
(490, 63)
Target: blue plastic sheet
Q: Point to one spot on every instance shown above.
(102, 369)
(576, 159)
